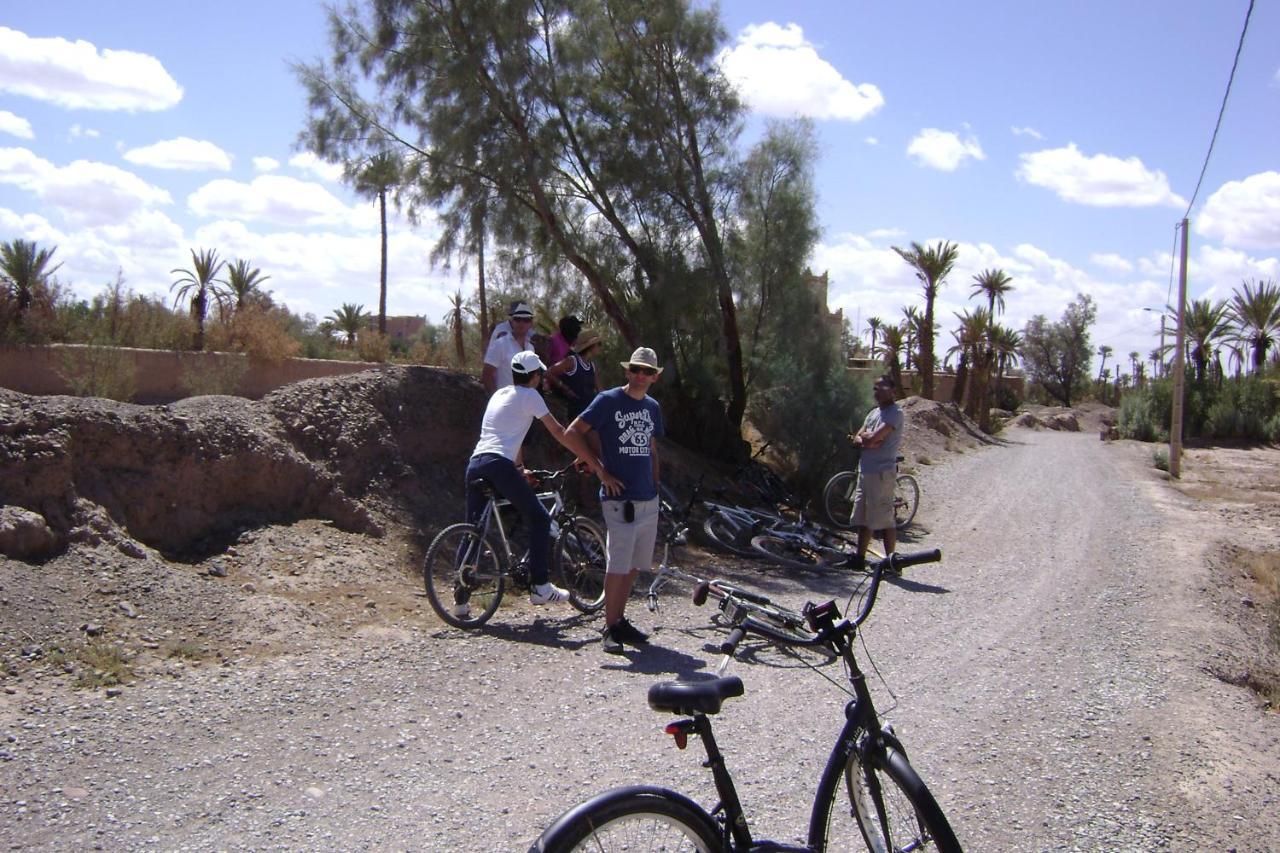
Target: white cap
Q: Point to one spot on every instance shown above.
(526, 362)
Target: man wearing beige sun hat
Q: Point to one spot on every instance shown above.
(626, 422)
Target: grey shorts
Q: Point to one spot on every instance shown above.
(873, 501)
(630, 544)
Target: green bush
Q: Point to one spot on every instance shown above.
(94, 371)
(1235, 410)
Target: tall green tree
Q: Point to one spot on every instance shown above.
(196, 286)
(874, 324)
(242, 285)
(1206, 324)
(25, 268)
(932, 265)
(1104, 353)
(600, 132)
(1256, 314)
(374, 178)
(1056, 356)
(993, 284)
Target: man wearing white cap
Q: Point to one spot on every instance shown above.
(496, 460)
(627, 422)
(505, 344)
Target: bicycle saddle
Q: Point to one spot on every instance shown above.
(486, 488)
(689, 697)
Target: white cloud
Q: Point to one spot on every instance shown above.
(76, 75)
(76, 131)
(1244, 213)
(265, 164)
(270, 198)
(183, 153)
(1111, 262)
(780, 73)
(939, 149)
(871, 140)
(1100, 180)
(308, 162)
(1027, 131)
(15, 125)
(84, 192)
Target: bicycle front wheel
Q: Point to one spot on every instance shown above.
(837, 498)
(794, 552)
(890, 805)
(906, 500)
(632, 819)
(729, 534)
(463, 575)
(580, 559)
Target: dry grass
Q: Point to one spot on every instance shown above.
(94, 664)
(1263, 675)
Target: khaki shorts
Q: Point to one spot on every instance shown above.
(873, 501)
(630, 544)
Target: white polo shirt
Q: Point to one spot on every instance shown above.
(502, 346)
(507, 418)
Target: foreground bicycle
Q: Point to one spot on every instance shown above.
(837, 498)
(867, 790)
(468, 564)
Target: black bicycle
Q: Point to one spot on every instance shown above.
(467, 565)
(868, 789)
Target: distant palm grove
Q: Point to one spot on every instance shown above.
(586, 157)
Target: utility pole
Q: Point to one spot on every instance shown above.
(1179, 366)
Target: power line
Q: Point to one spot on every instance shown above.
(1221, 111)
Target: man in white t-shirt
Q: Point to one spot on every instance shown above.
(496, 459)
(506, 342)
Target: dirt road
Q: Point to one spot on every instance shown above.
(1049, 681)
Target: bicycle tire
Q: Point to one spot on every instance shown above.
(727, 534)
(632, 819)
(792, 554)
(837, 498)
(906, 500)
(479, 583)
(891, 806)
(580, 558)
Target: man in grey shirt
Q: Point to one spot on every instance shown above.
(879, 439)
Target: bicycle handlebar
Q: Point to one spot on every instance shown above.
(893, 562)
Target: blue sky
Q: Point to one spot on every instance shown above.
(1060, 141)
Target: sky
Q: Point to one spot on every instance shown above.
(1059, 141)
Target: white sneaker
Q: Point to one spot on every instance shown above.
(462, 611)
(548, 593)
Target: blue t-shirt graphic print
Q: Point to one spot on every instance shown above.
(627, 429)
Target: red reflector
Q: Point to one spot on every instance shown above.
(677, 731)
(673, 728)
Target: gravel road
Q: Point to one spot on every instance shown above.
(1049, 682)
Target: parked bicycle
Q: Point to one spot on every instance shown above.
(467, 566)
(837, 498)
(867, 776)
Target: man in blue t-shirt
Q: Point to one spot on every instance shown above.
(879, 439)
(622, 425)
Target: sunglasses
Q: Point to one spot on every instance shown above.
(643, 371)
(522, 319)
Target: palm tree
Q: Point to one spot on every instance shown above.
(910, 331)
(1206, 325)
(1256, 314)
(453, 321)
(242, 284)
(971, 343)
(1105, 352)
(194, 285)
(891, 345)
(994, 284)
(932, 266)
(349, 319)
(1006, 343)
(874, 325)
(374, 180)
(24, 269)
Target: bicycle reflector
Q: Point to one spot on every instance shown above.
(822, 615)
(680, 731)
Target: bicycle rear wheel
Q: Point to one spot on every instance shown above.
(729, 534)
(795, 553)
(890, 805)
(837, 498)
(463, 575)
(906, 500)
(632, 819)
(580, 559)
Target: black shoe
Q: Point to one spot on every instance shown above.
(624, 632)
(609, 642)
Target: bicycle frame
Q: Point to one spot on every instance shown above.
(491, 519)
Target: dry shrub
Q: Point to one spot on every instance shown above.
(259, 332)
(94, 371)
(373, 347)
(211, 373)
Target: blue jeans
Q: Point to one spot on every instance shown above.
(502, 474)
